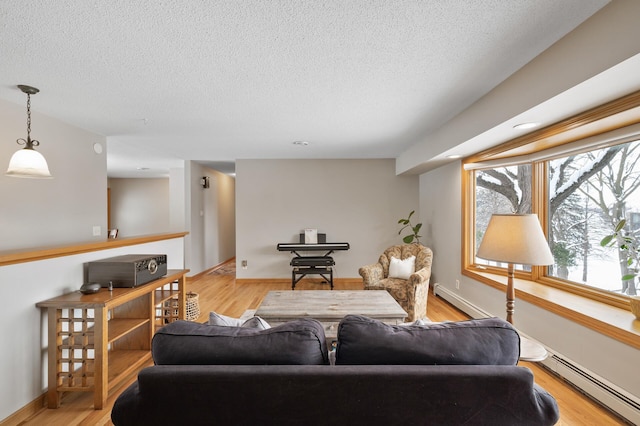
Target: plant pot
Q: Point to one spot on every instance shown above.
(635, 306)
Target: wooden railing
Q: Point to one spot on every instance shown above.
(32, 254)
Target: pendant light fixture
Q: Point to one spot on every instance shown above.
(27, 162)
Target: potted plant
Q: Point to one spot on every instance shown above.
(415, 229)
(629, 245)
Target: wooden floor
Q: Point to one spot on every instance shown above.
(220, 293)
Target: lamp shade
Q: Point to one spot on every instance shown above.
(28, 163)
(515, 238)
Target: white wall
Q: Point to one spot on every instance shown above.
(36, 212)
(609, 37)
(23, 327)
(354, 201)
(179, 203)
(602, 42)
(140, 206)
(211, 218)
(606, 357)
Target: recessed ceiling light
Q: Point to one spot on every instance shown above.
(301, 143)
(524, 126)
(454, 156)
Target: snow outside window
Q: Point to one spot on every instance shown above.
(589, 194)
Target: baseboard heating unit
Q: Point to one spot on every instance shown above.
(611, 396)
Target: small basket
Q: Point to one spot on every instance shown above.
(193, 308)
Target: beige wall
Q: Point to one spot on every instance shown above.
(23, 327)
(354, 201)
(603, 41)
(210, 218)
(600, 354)
(140, 206)
(45, 212)
(179, 203)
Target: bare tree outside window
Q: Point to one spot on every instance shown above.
(588, 195)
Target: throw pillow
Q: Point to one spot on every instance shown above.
(297, 342)
(256, 322)
(402, 268)
(486, 341)
(419, 321)
(223, 320)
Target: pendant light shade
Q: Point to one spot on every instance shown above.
(28, 163)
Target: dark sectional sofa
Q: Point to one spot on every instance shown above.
(456, 373)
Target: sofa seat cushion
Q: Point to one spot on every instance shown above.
(296, 342)
(487, 341)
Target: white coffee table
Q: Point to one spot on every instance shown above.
(329, 307)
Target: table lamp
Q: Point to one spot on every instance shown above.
(511, 239)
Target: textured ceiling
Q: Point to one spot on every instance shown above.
(217, 81)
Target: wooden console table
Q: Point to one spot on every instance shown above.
(97, 340)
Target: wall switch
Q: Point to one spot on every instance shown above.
(244, 264)
(97, 231)
(457, 284)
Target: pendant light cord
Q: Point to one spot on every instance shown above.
(29, 144)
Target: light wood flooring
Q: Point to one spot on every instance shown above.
(221, 293)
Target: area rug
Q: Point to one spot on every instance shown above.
(225, 269)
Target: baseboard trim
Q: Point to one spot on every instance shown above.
(213, 268)
(25, 412)
(599, 389)
(340, 281)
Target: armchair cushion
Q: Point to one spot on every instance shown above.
(411, 293)
(402, 268)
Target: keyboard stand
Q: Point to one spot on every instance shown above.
(312, 265)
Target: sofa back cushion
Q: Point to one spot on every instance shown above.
(296, 342)
(487, 341)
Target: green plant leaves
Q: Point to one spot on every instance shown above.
(606, 240)
(627, 244)
(408, 239)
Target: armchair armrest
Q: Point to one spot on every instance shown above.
(371, 274)
(420, 277)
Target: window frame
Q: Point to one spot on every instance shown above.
(587, 129)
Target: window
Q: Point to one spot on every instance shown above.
(589, 194)
(581, 188)
(500, 190)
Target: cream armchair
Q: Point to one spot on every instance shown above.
(410, 293)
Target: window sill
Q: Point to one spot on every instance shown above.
(617, 323)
